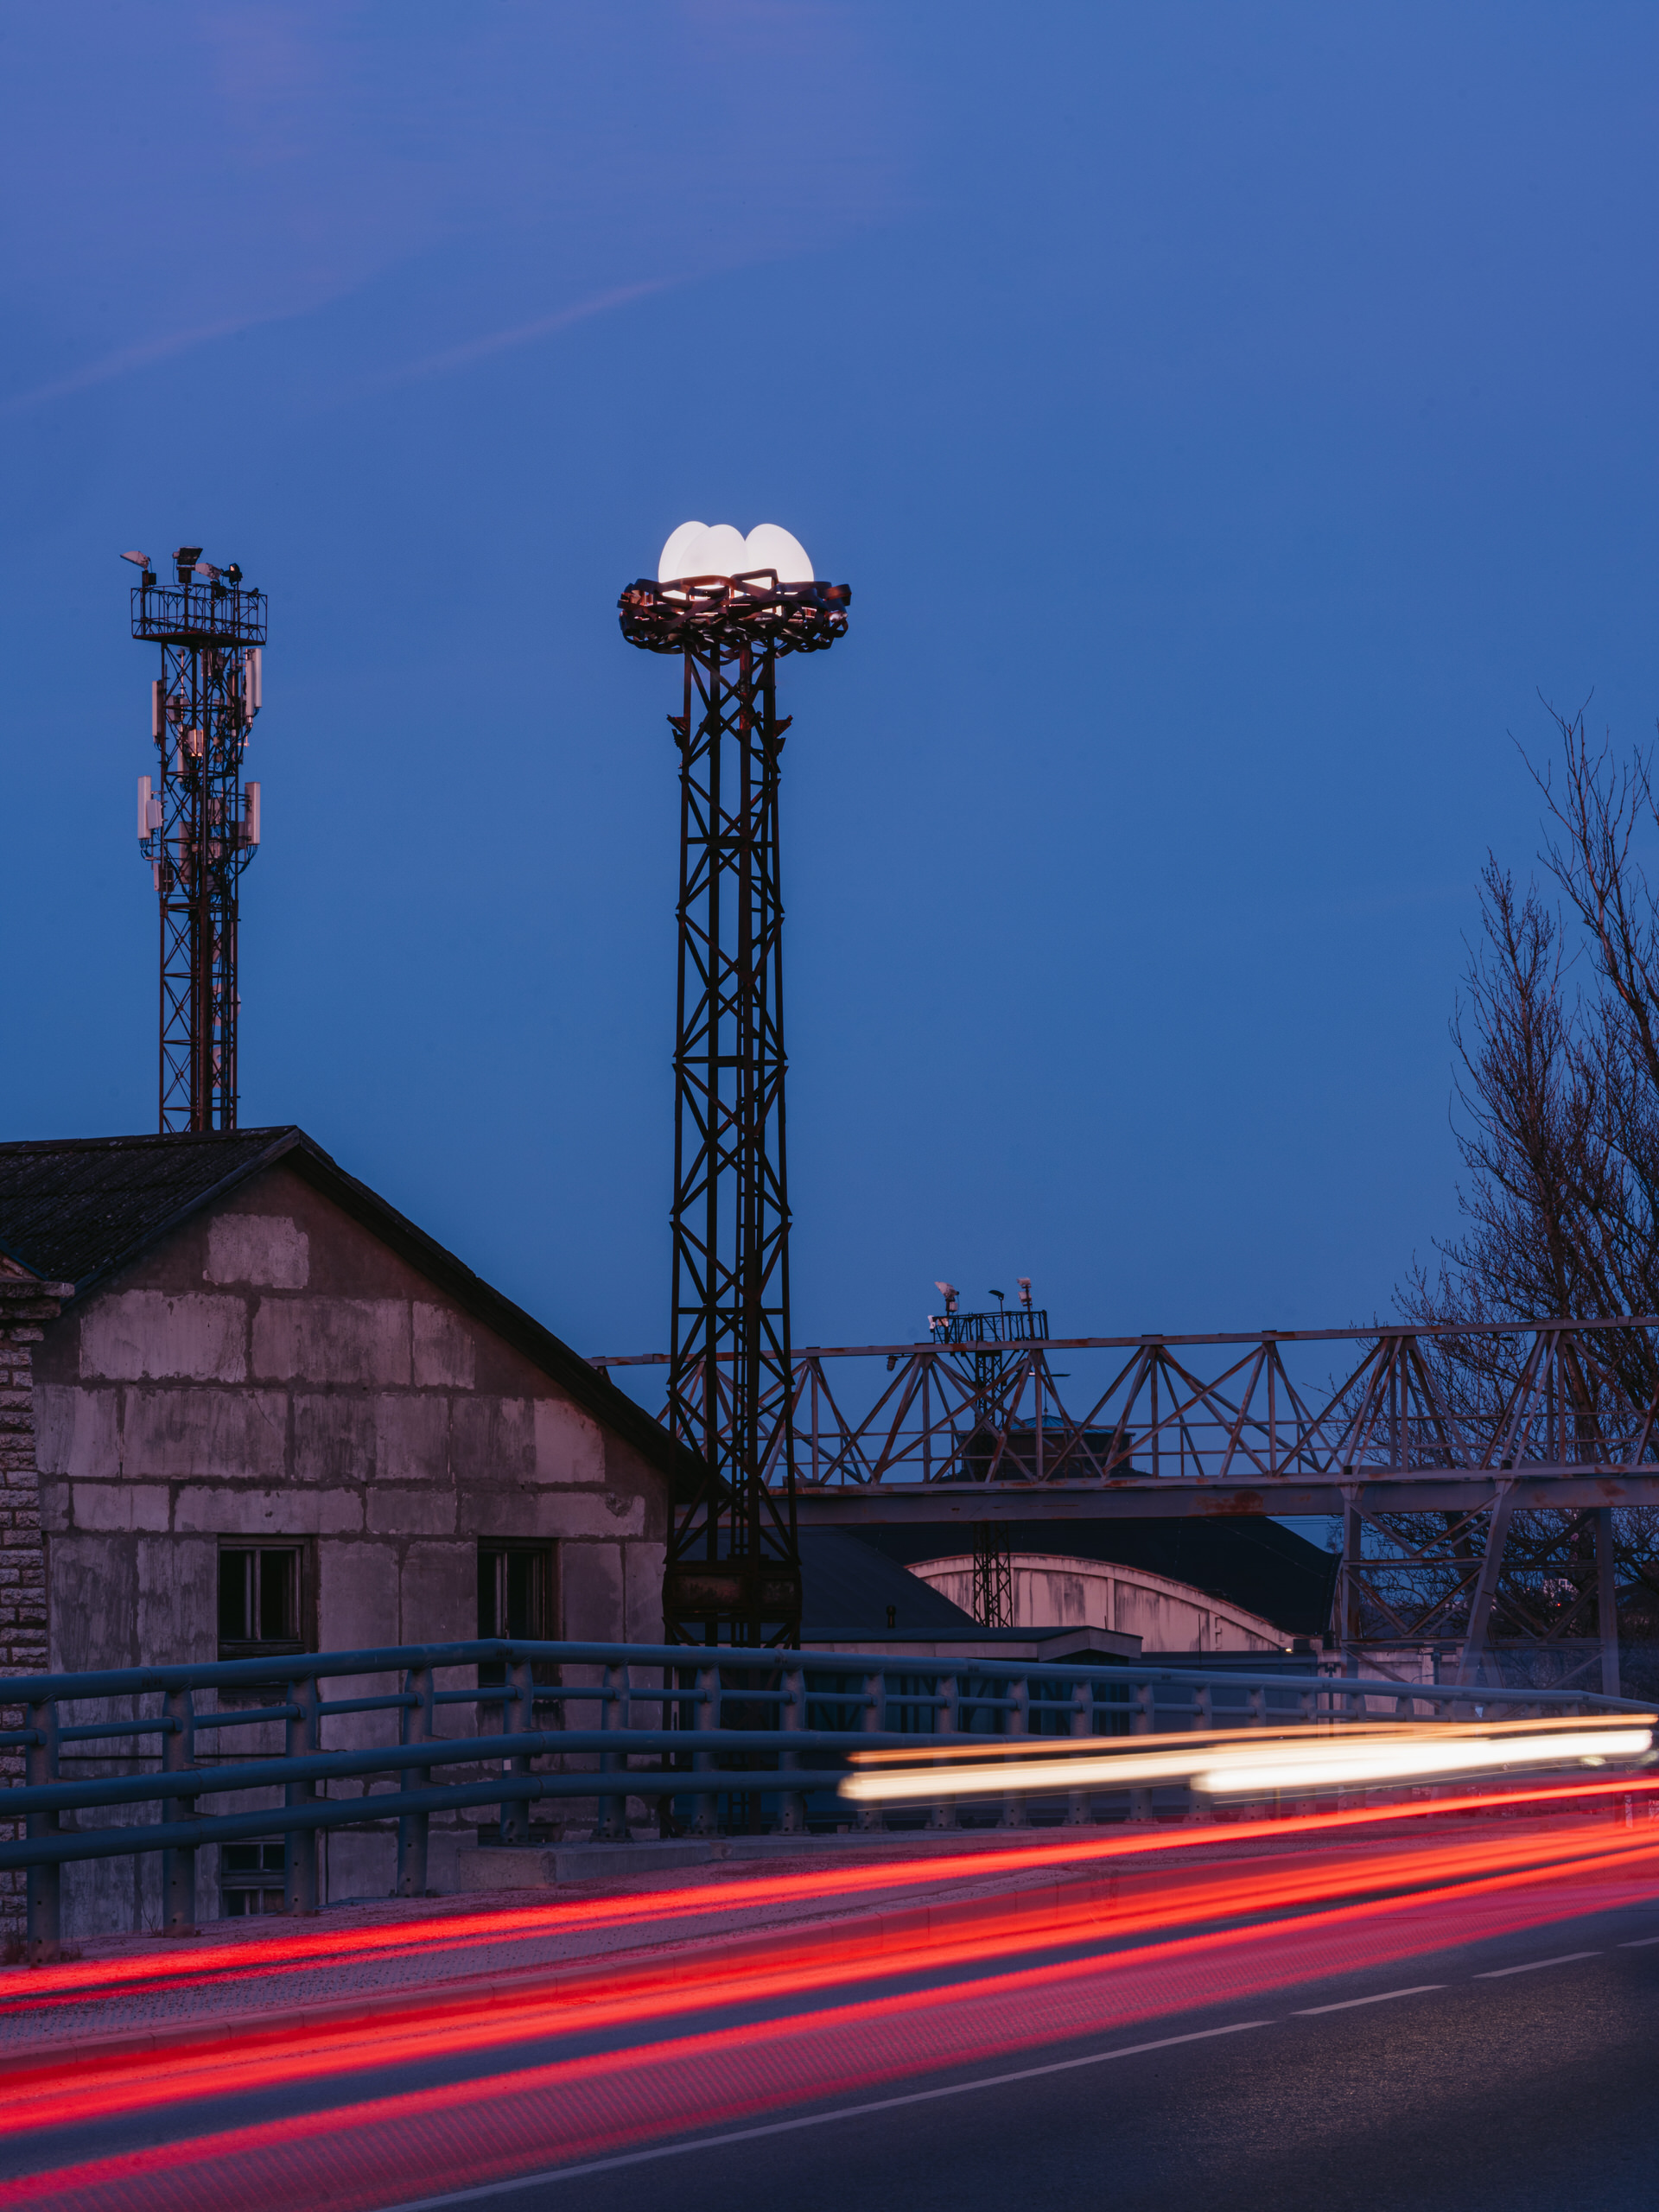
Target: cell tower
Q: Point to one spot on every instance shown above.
(732, 608)
(198, 828)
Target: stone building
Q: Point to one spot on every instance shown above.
(25, 1304)
(273, 1415)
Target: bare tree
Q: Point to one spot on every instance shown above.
(1557, 1037)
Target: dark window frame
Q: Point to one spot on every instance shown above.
(302, 1609)
(541, 1559)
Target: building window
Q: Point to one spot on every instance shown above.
(251, 1877)
(515, 1587)
(264, 1600)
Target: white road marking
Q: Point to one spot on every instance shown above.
(1497, 1974)
(1308, 2012)
(815, 2119)
(1639, 1943)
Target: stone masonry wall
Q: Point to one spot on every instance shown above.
(25, 1306)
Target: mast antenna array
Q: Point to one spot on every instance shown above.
(198, 824)
(731, 608)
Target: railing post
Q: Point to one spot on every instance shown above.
(1141, 1724)
(45, 1929)
(518, 1712)
(705, 1818)
(611, 1821)
(947, 1722)
(1198, 1809)
(791, 1805)
(1607, 1601)
(417, 1725)
(1082, 1722)
(870, 1817)
(300, 1844)
(1014, 1804)
(179, 1860)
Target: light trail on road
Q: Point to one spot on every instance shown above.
(820, 2019)
(54, 2095)
(433, 1937)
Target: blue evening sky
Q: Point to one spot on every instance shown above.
(1230, 418)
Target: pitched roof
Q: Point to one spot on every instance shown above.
(78, 1210)
(849, 1586)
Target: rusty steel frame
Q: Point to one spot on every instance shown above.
(1468, 1424)
(733, 1569)
(202, 841)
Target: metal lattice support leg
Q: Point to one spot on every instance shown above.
(1480, 1610)
(733, 1572)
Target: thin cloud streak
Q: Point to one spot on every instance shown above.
(130, 360)
(127, 362)
(524, 333)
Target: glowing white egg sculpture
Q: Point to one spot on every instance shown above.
(682, 543)
(768, 545)
(694, 550)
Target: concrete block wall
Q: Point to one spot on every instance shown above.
(26, 1306)
(271, 1370)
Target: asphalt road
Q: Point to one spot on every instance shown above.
(1504, 2085)
(1487, 2048)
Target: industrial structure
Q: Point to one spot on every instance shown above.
(1474, 1469)
(198, 825)
(731, 609)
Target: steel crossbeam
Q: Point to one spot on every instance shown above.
(1470, 1465)
(1222, 1421)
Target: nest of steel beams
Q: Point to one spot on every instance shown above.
(702, 611)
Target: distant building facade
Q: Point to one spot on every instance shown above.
(1162, 1615)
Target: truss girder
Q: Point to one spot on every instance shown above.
(1169, 1414)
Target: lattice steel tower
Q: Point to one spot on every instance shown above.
(198, 827)
(733, 1574)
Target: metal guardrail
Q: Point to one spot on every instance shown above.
(694, 1751)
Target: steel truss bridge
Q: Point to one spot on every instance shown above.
(1426, 1442)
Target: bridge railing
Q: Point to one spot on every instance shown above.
(728, 1722)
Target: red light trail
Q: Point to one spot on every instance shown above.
(1458, 1888)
